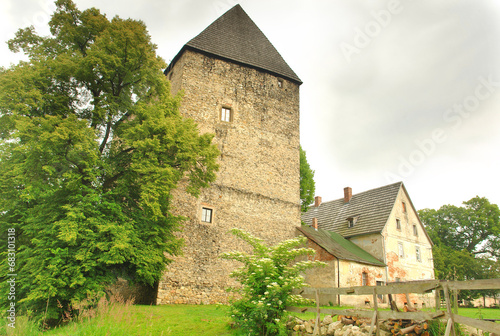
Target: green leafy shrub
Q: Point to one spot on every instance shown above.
(268, 276)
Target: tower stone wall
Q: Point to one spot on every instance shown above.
(257, 187)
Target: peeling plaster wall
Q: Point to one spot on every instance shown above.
(407, 267)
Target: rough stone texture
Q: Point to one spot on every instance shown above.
(257, 187)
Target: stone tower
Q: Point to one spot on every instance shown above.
(238, 87)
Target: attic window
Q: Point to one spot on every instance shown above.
(415, 230)
(280, 82)
(351, 221)
(398, 224)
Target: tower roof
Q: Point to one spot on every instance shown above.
(235, 37)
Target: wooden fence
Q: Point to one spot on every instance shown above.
(418, 287)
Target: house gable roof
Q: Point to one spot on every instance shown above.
(371, 208)
(338, 246)
(235, 37)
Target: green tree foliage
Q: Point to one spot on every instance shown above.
(91, 145)
(268, 276)
(467, 240)
(307, 185)
(475, 227)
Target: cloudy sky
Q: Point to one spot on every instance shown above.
(394, 90)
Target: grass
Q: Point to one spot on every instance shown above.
(138, 320)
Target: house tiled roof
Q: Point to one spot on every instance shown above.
(371, 208)
(338, 246)
(235, 37)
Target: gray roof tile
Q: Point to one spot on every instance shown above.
(235, 37)
(373, 208)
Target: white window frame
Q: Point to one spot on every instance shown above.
(207, 211)
(401, 250)
(226, 114)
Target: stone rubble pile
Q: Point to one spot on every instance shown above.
(331, 327)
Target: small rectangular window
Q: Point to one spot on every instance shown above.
(225, 114)
(401, 251)
(417, 254)
(364, 279)
(398, 224)
(404, 207)
(280, 82)
(415, 231)
(206, 215)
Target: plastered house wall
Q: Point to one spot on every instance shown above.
(408, 252)
(257, 186)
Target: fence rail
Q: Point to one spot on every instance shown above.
(418, 287)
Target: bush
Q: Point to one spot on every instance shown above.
(268, 277)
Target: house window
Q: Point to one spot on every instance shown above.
(364, 279)
(404, 207)
(401, 251)
(351, 221)
(206, 215)
(398, 224)
(280, 82)
(418, 254)
(225, 114)
(415, 231)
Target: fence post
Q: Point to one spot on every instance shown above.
(375, 314)
(450, 327)
(317, 327)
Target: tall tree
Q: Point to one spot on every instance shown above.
(475, 227)
(91, 145)
(307, 185)
(466, 241)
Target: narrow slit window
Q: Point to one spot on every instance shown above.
(401, 250)
(415, 230)
(398, 224)
(225, 114)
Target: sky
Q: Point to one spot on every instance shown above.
(393, 90)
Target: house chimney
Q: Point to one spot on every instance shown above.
(317, 201)
(315, 223)
(347, 194)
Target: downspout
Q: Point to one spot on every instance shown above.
(338, 279)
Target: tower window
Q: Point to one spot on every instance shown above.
(206, 215)
(225, 114)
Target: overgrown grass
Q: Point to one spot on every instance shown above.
(118, 319)
(127, 319)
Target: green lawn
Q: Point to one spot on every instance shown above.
(182, 320)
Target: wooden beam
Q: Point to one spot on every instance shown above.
(474, 284)
(490, 327)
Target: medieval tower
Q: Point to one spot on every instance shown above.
(238, 87)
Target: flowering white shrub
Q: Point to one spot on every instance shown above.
(268, 277)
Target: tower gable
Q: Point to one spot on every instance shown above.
(236, 38)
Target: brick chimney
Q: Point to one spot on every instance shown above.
(315, 223)
(347, 194)
(317, 201)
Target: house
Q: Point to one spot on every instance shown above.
(370, 238)
(236, 86)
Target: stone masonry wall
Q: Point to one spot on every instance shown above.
(257, 188)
